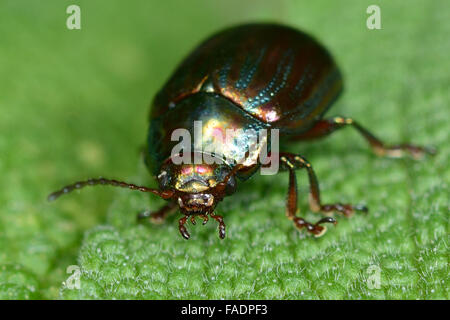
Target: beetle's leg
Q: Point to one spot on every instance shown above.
(159, 216)
(205, 218)
(293, 162)
(325, 127)
(182, 228)
(291, 205)
(219, 219)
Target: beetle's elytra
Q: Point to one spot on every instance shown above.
(258, 76)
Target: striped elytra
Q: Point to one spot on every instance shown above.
(275, 73)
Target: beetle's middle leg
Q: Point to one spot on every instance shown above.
(160, 215)
(292, 162)
(325, 127)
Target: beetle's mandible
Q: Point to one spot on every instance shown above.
(259, 76)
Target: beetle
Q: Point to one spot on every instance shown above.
(254, 76)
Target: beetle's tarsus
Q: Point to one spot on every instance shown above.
(182, 228)
(347, 210)
(327, 220)
(182, 222)
(399, 151)
(158, 217)
(418, 152)
(431, 150)
(315, 229)
(219, 219)
(205, 218)
(143, 215)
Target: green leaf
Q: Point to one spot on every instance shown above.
(75, 105)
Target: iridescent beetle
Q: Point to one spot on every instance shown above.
(259, 76)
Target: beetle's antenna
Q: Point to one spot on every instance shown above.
(103, 181)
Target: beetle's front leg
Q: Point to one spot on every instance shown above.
(182, 228)
(291, 205)
(219, 219)
(291, 162)
(159, 216)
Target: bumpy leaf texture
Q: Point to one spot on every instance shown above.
(74, 105)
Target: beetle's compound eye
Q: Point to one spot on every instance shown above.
(222, 172)
(164, 180)
(231, 186)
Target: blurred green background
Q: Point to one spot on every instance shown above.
(74, 105)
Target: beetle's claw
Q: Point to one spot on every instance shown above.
(418, 152)
(321, 230)
(361, 208)
(430, 150)
(184, 233)
(183, 229)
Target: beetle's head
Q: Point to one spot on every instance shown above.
(197, 187)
